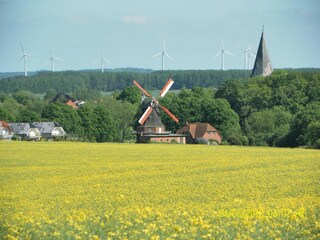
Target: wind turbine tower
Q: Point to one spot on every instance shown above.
(25, 60)
(247, 55)
(163, 54)
(222, 52)
(103, 60)
(52, 59)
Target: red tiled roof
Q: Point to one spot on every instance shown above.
(4, 124)
(197, 130)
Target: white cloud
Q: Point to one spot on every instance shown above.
(134, 19)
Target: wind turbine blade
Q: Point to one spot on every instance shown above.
(106, 60)
(228, 52)
(145, 115)
(164, 45)
(222, 43)
(169, 57)
(21, 58)
(142, 89)
(217, 54)
(157, 54)
(166, 88)
(22, 48)
(170, 114)
(59, 58)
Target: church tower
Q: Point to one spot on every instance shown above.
(262, 64)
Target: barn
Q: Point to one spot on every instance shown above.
(199, 132)
(5, 131)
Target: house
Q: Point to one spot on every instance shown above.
(67, 99)
(153, 130)
(50, 130)
(197, 132)
(5, 131)
(25, 131)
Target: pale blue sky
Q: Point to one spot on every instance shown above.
(130, 32)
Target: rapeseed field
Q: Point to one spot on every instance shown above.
(63, 190)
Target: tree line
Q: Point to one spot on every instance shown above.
(279, 110)
(68, 81)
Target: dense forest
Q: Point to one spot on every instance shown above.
(279, 110)
(110, 81)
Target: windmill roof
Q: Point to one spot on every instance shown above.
(262, 64)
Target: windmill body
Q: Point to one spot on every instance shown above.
(151, 127)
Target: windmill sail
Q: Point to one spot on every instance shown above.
(262, 64)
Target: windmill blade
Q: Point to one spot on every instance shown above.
(164, 45)
(166, 87)
(145, 115)
(222, 43)
(169, 57)
(169, 114)
(157, 54)
(142, 89)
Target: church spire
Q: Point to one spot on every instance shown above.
(262, 64)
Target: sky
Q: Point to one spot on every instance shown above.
(130, 32)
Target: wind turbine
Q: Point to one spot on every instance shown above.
(52, 59)
(163, 54)
(222, 52)
(103, 60)
(25, 60)
(247, 54)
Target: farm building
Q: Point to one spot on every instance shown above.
(197, 132)
(50, 130)
(153, 130)
(5, 131)
(25, 131)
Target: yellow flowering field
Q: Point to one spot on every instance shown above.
(64, 190)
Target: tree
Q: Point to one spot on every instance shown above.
(123, 113)
(66, 116)
(131, 94)
(219, 114)
(313, 133)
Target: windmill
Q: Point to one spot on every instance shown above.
(25, 59)
(247, 55)
(163, 54)
(154, 105)
(103, 60)
(222, 52)
(52, 59)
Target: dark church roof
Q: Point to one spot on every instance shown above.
(262, 64)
